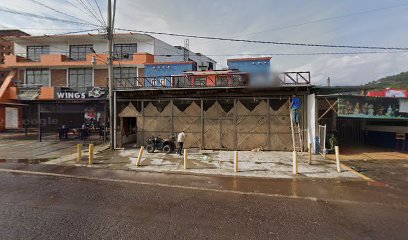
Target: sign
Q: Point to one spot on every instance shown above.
(370, 107)
(400, 136)
(92, 92)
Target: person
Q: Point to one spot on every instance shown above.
(180, 140)
(295, 106)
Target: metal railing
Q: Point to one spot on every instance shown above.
(207, 81)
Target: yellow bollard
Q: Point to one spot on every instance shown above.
(91, 154)
(310, 153)
(185, 158)
(295, 163)
(79, 152)
(236, 161)
(336, 149)
(139, 157)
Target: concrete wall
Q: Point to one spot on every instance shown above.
(166, 70)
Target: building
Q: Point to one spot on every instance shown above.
(62, 80)
(7, 47)
(217, 109)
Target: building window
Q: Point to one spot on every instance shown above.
(125, 76)
(79, 52)
(80, 78)
(38, 77)
(200, 81)
(222, 81)
(34, 52)
(124, 51)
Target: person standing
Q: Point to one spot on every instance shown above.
(180, 140)
(295, 106)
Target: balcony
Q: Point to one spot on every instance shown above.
(230, 80)
(58, 60)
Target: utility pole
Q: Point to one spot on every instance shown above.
(112, 126)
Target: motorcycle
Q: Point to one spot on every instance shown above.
(163, 145)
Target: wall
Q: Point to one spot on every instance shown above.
(166, 70)
(58, 77)
(101, 77)
(261, 65)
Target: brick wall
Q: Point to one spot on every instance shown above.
(58, 77)
(101, 77)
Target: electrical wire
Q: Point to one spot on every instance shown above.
(58, 11)
(89, 11)
(12, 11)
(100, 12)
(265, 42)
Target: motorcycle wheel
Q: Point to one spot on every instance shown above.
(150, 148)
(167, 149)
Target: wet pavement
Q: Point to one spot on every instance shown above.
(67, 202)
(208, 162)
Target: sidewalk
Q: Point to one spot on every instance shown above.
(208, 162)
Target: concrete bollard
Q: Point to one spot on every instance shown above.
(236, 161)
(336, 149)
(91, 154)
(310, 154)
(79, 152)
(139, 157)
(185, 159)
(295, 163)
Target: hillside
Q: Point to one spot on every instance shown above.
(395, 81)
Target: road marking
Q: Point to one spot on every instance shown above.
(357, 173)
(314, 199)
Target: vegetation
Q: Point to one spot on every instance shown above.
(399, 81)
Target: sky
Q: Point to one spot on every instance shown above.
(347, 22)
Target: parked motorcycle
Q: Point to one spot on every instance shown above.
(163, 145)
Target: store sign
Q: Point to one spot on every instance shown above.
(371, 107)
(93, 92)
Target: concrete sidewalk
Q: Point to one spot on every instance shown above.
(208, 162)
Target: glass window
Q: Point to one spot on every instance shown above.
(125, 76)
(222, 81)
(38, 77)
(34, 52)
(80, 78)
(79, 52)
(124, 51)
(200, 81)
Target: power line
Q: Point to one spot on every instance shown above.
(285, 54)
(266, 42)
(100, 12)
(8, 10)
(58, 11)
(80, 9)
(89, 10)
(94, 10)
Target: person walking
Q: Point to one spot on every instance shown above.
(295, 106)
(180, 140)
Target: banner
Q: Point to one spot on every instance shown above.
(370, 107)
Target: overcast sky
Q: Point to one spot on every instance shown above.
(346, 22)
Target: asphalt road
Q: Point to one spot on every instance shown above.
(51, 202)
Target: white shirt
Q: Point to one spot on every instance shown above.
(181, 137)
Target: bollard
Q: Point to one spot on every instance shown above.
(79, 152)
(295, 163)
(310, 153)
(236, 161)
(336, 149)
(139, 158)
(185, 158)
(91, 154)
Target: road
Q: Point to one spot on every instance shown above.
(52, 202)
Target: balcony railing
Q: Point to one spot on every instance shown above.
(212, 81)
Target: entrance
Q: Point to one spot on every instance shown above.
(11, 118)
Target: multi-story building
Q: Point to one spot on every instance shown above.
(7, 47)
(64, 79)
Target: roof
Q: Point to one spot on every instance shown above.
(169, 63)
(250, 59)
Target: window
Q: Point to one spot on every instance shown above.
(79, 52)
(200, 81)
(125, 75)
(80, 78)
(34, 52)
(38, 76)
(124, 51)
(222, 81)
